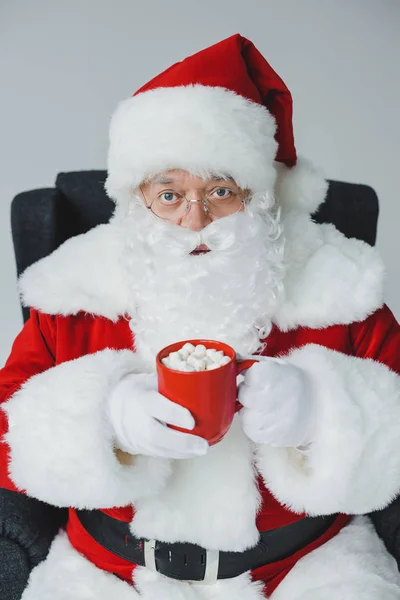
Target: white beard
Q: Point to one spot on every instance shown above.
(228, 294)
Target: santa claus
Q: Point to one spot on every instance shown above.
(211, 238)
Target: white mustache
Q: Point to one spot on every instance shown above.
(222, 234)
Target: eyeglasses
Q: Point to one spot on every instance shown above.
(172, 206)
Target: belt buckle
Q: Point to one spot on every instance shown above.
(212, 564)
(211, 570)
(150, 555)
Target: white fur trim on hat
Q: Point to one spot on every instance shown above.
(302, 187)
(196, 128)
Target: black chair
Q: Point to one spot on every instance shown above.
(42, 220)
(27, 528)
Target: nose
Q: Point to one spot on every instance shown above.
(196, 218)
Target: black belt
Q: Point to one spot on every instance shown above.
(190, 562)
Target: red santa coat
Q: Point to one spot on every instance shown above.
(49, 340)
(59, 445)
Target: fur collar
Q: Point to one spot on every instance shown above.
(330, 279)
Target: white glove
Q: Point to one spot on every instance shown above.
(279, 407)
(139, 414)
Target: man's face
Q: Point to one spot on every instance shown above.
(178, 197)
(228, 292)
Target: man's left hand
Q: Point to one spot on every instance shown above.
(278, 404)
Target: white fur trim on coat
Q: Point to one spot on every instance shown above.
(83, 274)
(67, 575)
(211, 500)
(153, 586)
(353, 463)
(330, 279)
(197, 128)
(354, 565)
(61, 440)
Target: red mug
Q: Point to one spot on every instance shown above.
(210, 396)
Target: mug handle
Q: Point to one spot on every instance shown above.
(241, 365)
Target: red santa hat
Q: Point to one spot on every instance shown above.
(224, 111)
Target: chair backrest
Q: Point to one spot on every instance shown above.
(41, 220)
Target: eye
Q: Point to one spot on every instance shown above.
(169, 197)
(222, 193)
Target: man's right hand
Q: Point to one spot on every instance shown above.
(139, 416)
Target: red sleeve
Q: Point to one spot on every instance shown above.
(32, 353)
(378, 337)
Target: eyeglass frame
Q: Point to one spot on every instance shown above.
(189, 202)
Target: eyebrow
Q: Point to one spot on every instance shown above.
(169, 180)
(219, 178)
(164, 180)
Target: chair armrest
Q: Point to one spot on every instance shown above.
(27, 529)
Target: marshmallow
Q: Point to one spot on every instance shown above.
(183, 353)
(224, 360)
(191, 359)
(176, 363)
(188, 347)
(174, 357)
(189, 368)
(201, 364)
(213, 366)
(212, 355)
(215, 355)
(180, 366)
(198, 363)
(200, 351)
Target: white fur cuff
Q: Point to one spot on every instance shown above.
(353, 465)
(61, 441)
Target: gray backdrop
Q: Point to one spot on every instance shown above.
(64, 64)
